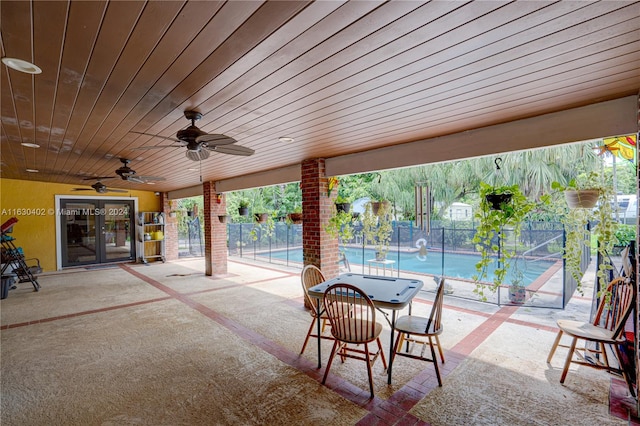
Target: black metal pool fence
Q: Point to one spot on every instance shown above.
(539, 241)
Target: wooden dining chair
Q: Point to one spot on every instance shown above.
(352, 315)
(311, 275)
(607, 329)
(422, 331)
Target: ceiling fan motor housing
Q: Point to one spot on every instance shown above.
(125, 171)
(100, 187)
(190, 134)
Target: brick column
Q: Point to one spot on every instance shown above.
(170, 229)
(318, 247)
(215, 232)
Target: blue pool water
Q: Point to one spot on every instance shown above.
(456, 265)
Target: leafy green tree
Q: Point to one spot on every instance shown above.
(625, 176)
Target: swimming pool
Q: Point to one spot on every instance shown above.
(455, 265)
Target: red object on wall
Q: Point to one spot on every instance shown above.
(6, 227)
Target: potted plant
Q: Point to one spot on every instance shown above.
(295, 217)
(377, 229)
(497, 223)
(173, 208)
(517, 291)
(343, 204)
(266, 225)
(377, 205)
(243, 207)
(582, 192)
(340, 225)
(624, 235)
(575, 220)
(261, 217)
(262, 210)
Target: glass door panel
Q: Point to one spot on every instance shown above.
(117, 230)
(79, 233)
(96, 231)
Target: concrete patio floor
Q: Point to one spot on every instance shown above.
(165, 344)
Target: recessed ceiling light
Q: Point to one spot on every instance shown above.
(192, 169)
(22, 66)
(30, 145)
(151, 183)
(286, 139)
(33, 171)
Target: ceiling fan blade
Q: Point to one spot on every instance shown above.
(215, 139)
(159, 146)
(232, 150)
(98, 178)
(148, 178)
(157, 136)
(82, 189)
(136, 179)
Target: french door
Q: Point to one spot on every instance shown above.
(95, 231)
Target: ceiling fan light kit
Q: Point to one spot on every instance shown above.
(197, 155)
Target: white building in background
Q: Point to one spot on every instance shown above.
(627, 208)
(459, 211)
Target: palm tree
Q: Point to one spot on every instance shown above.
(535, 170)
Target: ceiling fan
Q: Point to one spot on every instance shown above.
(99, 187)
(200, 144)
(128, 174)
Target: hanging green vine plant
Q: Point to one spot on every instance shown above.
(495, 221)
(575, 221)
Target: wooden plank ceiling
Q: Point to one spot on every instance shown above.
(339, 77)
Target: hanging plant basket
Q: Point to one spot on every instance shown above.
(261, 217)
(375, 206)
(243, 211)
(582, 199)
(497, 200)
(295, 218)
(222, 218)
(343, 207)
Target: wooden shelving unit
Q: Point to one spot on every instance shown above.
(151, 236)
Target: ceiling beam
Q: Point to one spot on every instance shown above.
(610, 118)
